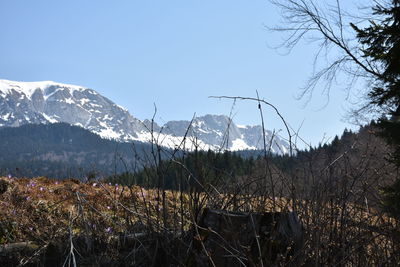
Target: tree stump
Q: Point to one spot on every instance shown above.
(3, 186)
(250, 239)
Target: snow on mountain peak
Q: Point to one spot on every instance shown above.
(28, 88)
(50, 102)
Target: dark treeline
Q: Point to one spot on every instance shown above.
(193, 168)
(328, 150)
(61, 150)
(207, 167)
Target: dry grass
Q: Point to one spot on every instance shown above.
(45, 211)
(41, 208)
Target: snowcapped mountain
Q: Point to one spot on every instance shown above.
(220, 132)
(50, 102)
(42, 102)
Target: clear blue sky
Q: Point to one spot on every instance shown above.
(171, 53)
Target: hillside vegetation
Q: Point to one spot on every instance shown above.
(60, 150)
(334, 190)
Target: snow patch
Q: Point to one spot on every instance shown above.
(198, 123)
(95, 105)
(49, 119)
(121, 107)
(6, 116)
(84, 101)
(108, 133)
(202, 131)
(107, 117)
(69, 101)
(239, 144)
(28, 88)
(173, 142)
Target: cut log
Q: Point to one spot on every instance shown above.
(17, 247)
(250, 239)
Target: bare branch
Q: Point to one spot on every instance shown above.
(327, 27)
(268, 104)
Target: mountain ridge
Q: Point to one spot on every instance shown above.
(50, 102)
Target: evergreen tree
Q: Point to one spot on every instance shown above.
(375, 54)
(381, 43)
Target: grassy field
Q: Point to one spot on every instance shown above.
(44, 221)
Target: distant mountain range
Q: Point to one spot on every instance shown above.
(50, 102)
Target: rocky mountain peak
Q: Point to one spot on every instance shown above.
(49, 102)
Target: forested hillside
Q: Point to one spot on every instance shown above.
(353, 156)
(61, 150)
